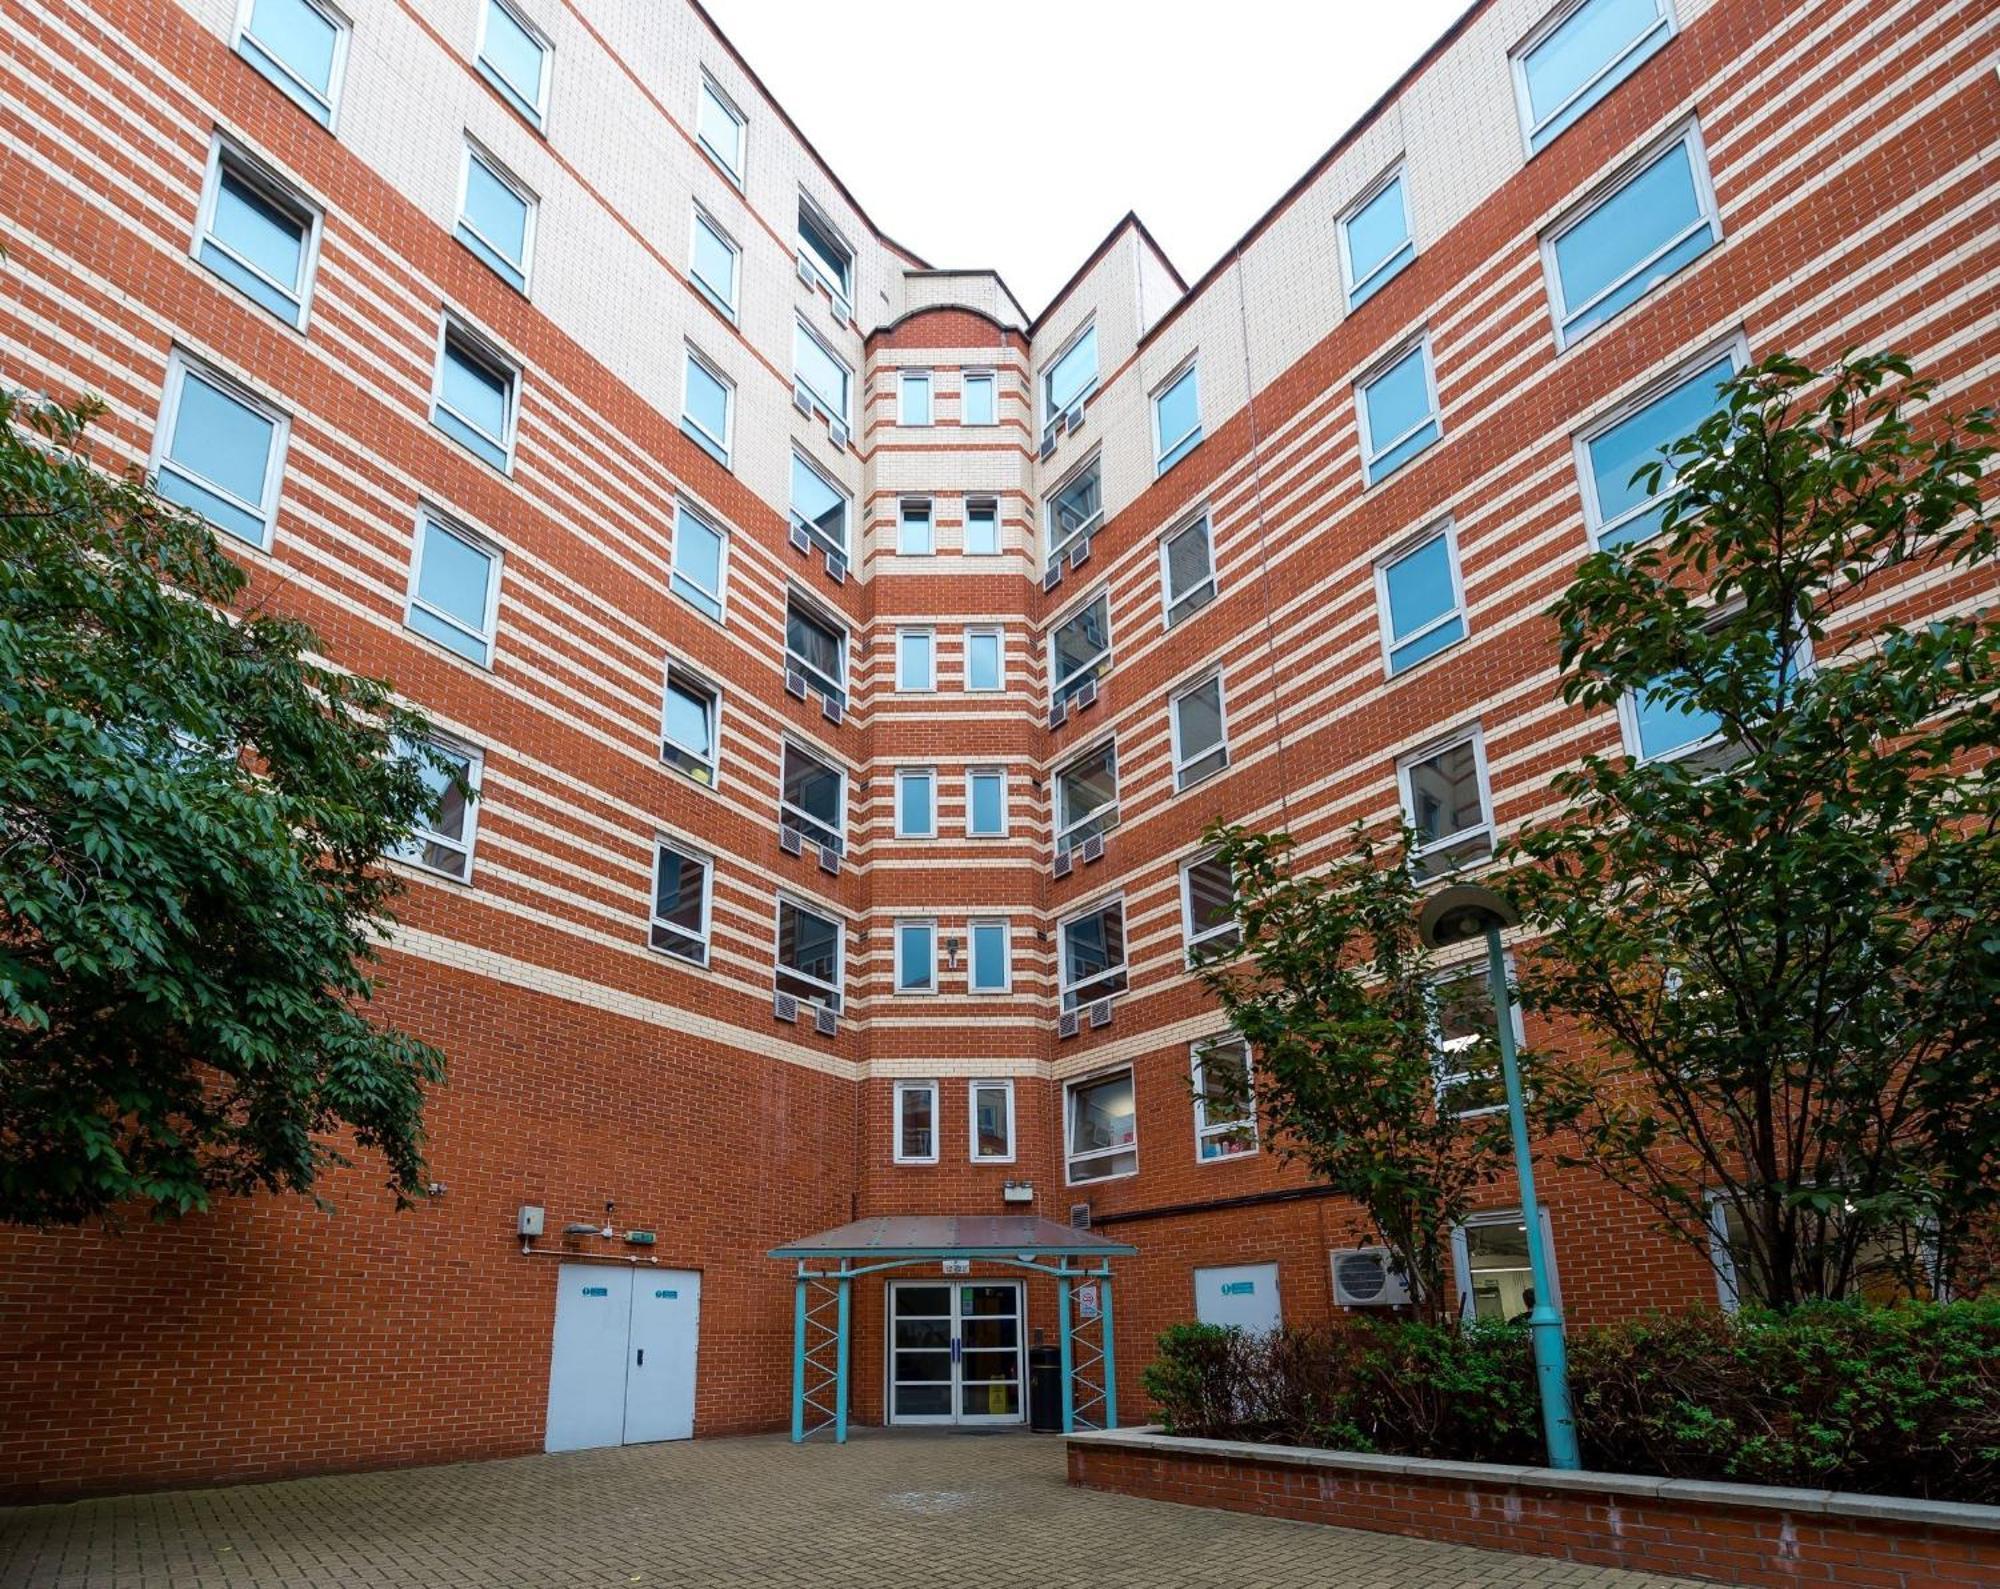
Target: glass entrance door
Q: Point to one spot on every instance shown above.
(955, 1351)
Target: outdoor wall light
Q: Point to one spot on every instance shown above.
(951, 953)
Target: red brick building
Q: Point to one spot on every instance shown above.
(850, 662)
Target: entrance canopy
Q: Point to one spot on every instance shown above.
(903, 1236)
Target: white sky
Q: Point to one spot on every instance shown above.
(1013, 133)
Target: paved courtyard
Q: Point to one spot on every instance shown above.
(971, 1512)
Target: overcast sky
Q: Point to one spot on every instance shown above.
(1013, 133)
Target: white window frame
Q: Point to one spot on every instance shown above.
(1406, 793)
(842, 292)
(537, 110)
(830, 993)
(1090, 526)
(1072, 997)
(475, 151)
(1194, 941)
(1166, 452)
(1183, 762)
(909, 774)
(1098, 665)
(1399, 259)
(809, 526)
(180, 366)
(1043, 396)
(1385, 622)
(820, 399)
(903, 506)
(937, 1119)
(1071, 1158)
(904, 987)
(801, 819)
(972, 773)
(976, 505)
(1006, 926)
(675, 573)
(911, 632)
(1203, 1131)
(282, 193)
(999, 639)
(1535, 136)
(724, 442)
(1371, 453)
(1708, 744)
(700, 220)
(905, 379)
(713, 761)
(1065, 826)
(825, 620)
(326, 109)
(1475, 971)
(410, 852)
(966, 381)
(1175, 608)
(972, 1091)
(482, 350)
(1461, 1256)
(728, 106)
(489, 635)
(702, 940)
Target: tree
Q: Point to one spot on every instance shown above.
(192, 816)
(1340, 1002)
(1781, 952)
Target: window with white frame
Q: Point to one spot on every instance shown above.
(1176, 420)
(916, 1122)
(1420, 599)
(982, 527)
(1664, 723)
(825, 254)
(819, 506)
(1200, 737)
(1075, 509)
(812, 796)
(300, 45)
(514, 57)
(1093, 954)
(1187, 569)
(913, 405)
(1658, 220)
(713, 262)
(441, 839)
(809, 954)
(1880, 1270)
(220, 451)
(1208, 908)
(990, 1104)
(1086, 796)
(817, 647)
(1375, 238)
(1467, 1061)
(916, 660)
(985, 654)
(1225, 1104)
(691, 725)
(700, 557)
(718, 128)
(1490, 1263)
(1101, 1128)
(914, 534)
(916, 956)
(1396, 412)
(1080, 647)
(257, 233)
(707, 407)
(679, 924)
(1579, 54)
(824, 376)
(990, 968)
(496, 216)
(476, 395)
(454, 588)
(1620, 507)
(916, 803)
(986, 803)
(1449, 804)
(976, 404)
(1071, 376)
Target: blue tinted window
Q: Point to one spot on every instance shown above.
(1664, 727)
(1651, 227)
(454, 582)
(495, 223)
(218, 459)
(989, 955)
(514, 58)
(916, 408)
(707, 408)
(1626, 511)
(913, 807)
(1071, 376)
(1397, 407)
(976, 404)
(913, 660)
(987, 797)
(697, 566)
(473, 399)
(1177, 413)
(714, 263)
(1378, 241)
(297, 46)
(258, 245)
(1422, 598)
(823, 509)
(1589, 53)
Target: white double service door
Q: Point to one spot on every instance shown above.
(623, 1365)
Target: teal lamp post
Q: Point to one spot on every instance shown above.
(1452, 916)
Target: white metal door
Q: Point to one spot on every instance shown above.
(587, 1368)
(1245, 1295)
(659, 1367)
(955, 1352)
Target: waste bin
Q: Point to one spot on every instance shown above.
(1045, 1390)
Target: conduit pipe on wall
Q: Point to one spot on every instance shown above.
(528, 1251)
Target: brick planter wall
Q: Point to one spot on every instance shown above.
(1729, 1533)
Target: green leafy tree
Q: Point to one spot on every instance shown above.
(192, 815)
(1781, 953)
(1339, 1000)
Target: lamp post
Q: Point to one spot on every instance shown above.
(1464, 911)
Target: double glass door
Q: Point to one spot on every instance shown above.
(955, 1351)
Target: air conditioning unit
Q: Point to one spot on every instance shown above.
(1059, 714)
(1079, 1216)
(1086, 693)
(830, 709)
(1100, 1014)
(788, 839)
(1062, 864)
(802, 398)
(806, 272)
(1051, 577)
(785, 1006)
(1079, 553)
(1049, 443)
(843, 311)
(801, 542)
(1073, 420)
(836, 433)
(825, 1021)
(836, 568)
(829, 860)
(1093, 848)
(1066, 1024)
(1364, 1278)
(795, 683)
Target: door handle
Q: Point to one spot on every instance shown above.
(642, 1357)
(954, 1348)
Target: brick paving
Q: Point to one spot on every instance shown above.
(970, 1511)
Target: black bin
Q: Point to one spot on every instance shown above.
(1045, 1390)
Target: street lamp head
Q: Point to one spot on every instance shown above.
(1465, 910)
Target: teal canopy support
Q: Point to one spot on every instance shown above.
(819, 1355)
(1068, 1362)
(840, 1364)
(1110, 1358)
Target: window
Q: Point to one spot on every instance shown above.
(680, 904)
(914, 401)
(257, 234)
(1397, 413)
(1490, 1260)
(300, 45)
(1420, 601)
(817, 647)
(220, 452)
(1176, 421)
(496, 216)
(1655, 222)
(515, 59)
(476, 396)
(913, 531)
(691, 725)
(819, 506)
(1225, 1107)
(916, 1122)
(1076, 509)
(700, 551)
(820, 373)
(1080, 647)
(1579, 55)
(1619, 510)
(986, 803)
(441, 838)
(1071, 376)
(712, 263)
(831, 260)
(990, 970)
(1661, 723)
(982, 528)
(1208, 908)
(991, 1106)
(718, 128)
(916, 660)
(812, 795)
(1093, 954)
(1879, 1277)
(454, 589)
(1187, 566)
(1201, 743)
(706, 405)
(1468, 1059)
(1087, 796)
(1375, 240)
(916, 957)
(1103, 1128)
(808, 954)
(916, 803)
(1446, 799)
(976, 401)
(984, 659)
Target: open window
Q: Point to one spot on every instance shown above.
(1208, 908)
(1101, 1121)
(476, 396)
(258, 233)
(1448, 801)
(1225, 1106)
(812, 797)
(691, 725)
(1080, 648)
(816, 647)
(809, 954)
(442, 838)
(681, 883)
(1093, 954)
(1086, 789)
(1375, 238)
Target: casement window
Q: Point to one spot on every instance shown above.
(1176, 420)
(1579, 54)
(812, 797)
(1420, 600)
(991, 967)
(1070, 376)
(220, 451)
(718, 128)
(700, 559)
(1879, 1277)
(1490, 1264)
(819, 506)
(713, 262)
(1655, 222)
(914, 398)
(515, 58)
(454, 589)
(985, 660)
(1467, 1058)
(1396, 412)
(976, 405)
(477, 395)
(1661, 725)
(916, 803)
(691, 726)
(681, 889)
(809, 954)
(496, 216)
(820, 246)
(1086, 796)
(1187, 569)
(1375, 239)
(257, 233)
(1208, 908)
(982, 527)
(822, 375)
(301, 46)
(1101, 1128)
(1080, 647)
(1448, 801)
(916, 957)
(1093, 954)
(1200, 736)
(708, 407)
(916, 660)
(986, 803)
(914, 534)
(1075, 509)
(916, 1122)
(442, 837)
(817, 647)
(990, 1104)
(1618, 509)
(1225, 1104)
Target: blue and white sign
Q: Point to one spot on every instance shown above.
(1245, 1295)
